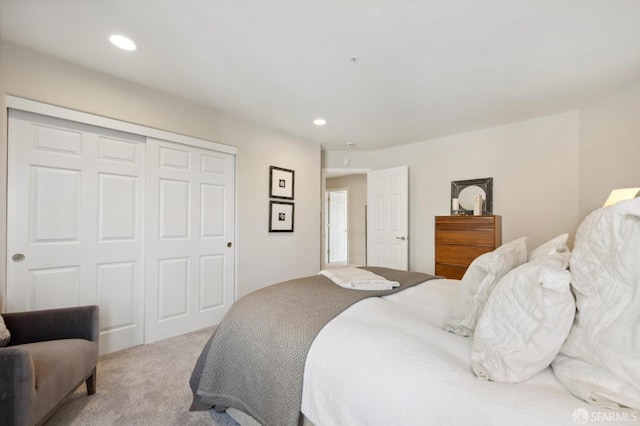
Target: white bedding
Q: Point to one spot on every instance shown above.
(388, 361)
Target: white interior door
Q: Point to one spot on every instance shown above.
(337, 226)
(190, 236)
(75, 232)
(388, 218)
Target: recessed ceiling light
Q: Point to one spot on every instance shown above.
(319, 121)
(124, 43)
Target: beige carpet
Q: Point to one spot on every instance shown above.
(144, 385)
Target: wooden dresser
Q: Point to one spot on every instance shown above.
(460, 239)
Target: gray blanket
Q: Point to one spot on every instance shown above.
(255, 359)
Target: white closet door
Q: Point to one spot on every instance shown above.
(190, 236)
(75, 234)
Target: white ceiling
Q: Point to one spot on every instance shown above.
(426, 68)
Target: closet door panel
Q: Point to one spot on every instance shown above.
(75, 205)
(190, 235)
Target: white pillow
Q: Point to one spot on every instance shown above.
(555, 245)
(525, 321)
(600, 360)
(5, 335)
(478, 282)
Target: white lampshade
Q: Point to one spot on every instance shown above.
(621, 195)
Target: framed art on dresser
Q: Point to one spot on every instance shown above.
(463, 193)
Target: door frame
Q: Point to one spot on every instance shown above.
(15, 102)
(18, 103)
(329, 173)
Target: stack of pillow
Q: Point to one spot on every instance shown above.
(600, 359)
(521, 310)
(518, 307)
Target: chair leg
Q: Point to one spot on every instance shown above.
(91, 383)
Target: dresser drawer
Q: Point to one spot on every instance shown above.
(455, 236)
(459, 254)
(466, 222)
(454, 272)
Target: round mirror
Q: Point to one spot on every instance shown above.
(468, 195)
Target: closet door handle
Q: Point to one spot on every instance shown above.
(401, 238)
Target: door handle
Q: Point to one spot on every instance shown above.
(401, 238)
(19, 257)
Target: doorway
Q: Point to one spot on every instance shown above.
(354, 181)
(372, 195)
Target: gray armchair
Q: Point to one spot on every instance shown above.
(51, 353)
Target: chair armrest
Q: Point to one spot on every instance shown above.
(17, 385)
(81, 322)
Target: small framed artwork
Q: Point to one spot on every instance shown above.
(281, 183)
(280, 216)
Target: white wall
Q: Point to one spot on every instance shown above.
(534, 165)
(549, 173)
(262, 258)
(609, 147)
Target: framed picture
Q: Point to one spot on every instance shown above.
(463, 193)
(280, 216)
(281, 183)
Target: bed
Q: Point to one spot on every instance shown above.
(422, 374)
(386, 357)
